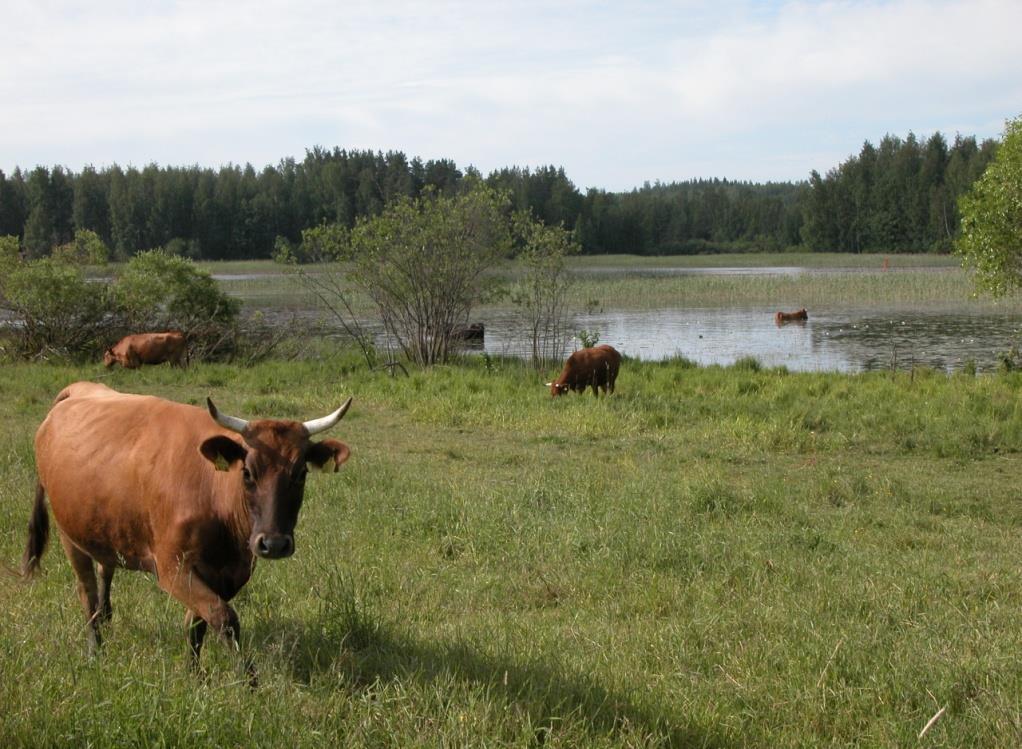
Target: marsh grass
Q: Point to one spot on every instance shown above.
(814, 260)
(931, 288)
(628, 282)
(712, 557)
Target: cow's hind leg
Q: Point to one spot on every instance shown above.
(106, 576)
(88, 591)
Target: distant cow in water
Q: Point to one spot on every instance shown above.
(800, 316)
(132, 351)
(473, 332)
(595, 367)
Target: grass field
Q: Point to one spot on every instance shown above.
(711, 557)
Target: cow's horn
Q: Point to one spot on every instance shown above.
(227, 422)
(321, 425)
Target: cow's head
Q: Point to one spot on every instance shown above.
(557, 388)
(273, 458)
(108, 358)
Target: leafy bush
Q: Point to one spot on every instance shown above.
(424, 263)
(10, 250)
(588, 338)
(86, 249)
(55, 310)
(189, 248)
(320, 244)
(158, 291)
(541, 294)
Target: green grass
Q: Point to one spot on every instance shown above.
(715, 557)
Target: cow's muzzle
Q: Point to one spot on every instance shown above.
(275, 546)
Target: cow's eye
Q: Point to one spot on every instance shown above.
(246, 476)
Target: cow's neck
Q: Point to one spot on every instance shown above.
(234, 510)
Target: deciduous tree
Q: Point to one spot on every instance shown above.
(423, 262)
(991, 238)
(541, 294)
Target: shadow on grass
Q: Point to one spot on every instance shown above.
(342, 642)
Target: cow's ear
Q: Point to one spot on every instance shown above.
(328, 454)
(222, 452)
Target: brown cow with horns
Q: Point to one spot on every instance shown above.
(595, 367)
(191, 495)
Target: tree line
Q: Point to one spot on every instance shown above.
(898, 196)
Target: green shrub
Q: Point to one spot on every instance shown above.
(161, 290)
(10, 249)
(85, 249)
(158, 291)
(56, 310)
(588, 338)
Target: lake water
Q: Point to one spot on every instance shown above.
(847, 340)
(833, 339)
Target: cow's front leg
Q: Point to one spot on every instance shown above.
(205, 609)
(196, 627)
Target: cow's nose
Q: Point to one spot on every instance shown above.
(274, 547)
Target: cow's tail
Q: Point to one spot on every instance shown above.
(38, 533)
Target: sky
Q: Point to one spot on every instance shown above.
(617, 93)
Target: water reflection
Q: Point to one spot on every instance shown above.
(847, 340)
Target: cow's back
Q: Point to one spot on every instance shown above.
(597, 365)
(137, 349)
(156, 348)
(115, 464)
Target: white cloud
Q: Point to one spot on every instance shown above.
(616, 94)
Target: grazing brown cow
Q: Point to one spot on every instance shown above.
(132, 351)
(191, 495)
(589, 367)
(799, 316)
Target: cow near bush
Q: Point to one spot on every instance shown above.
(132, 351)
